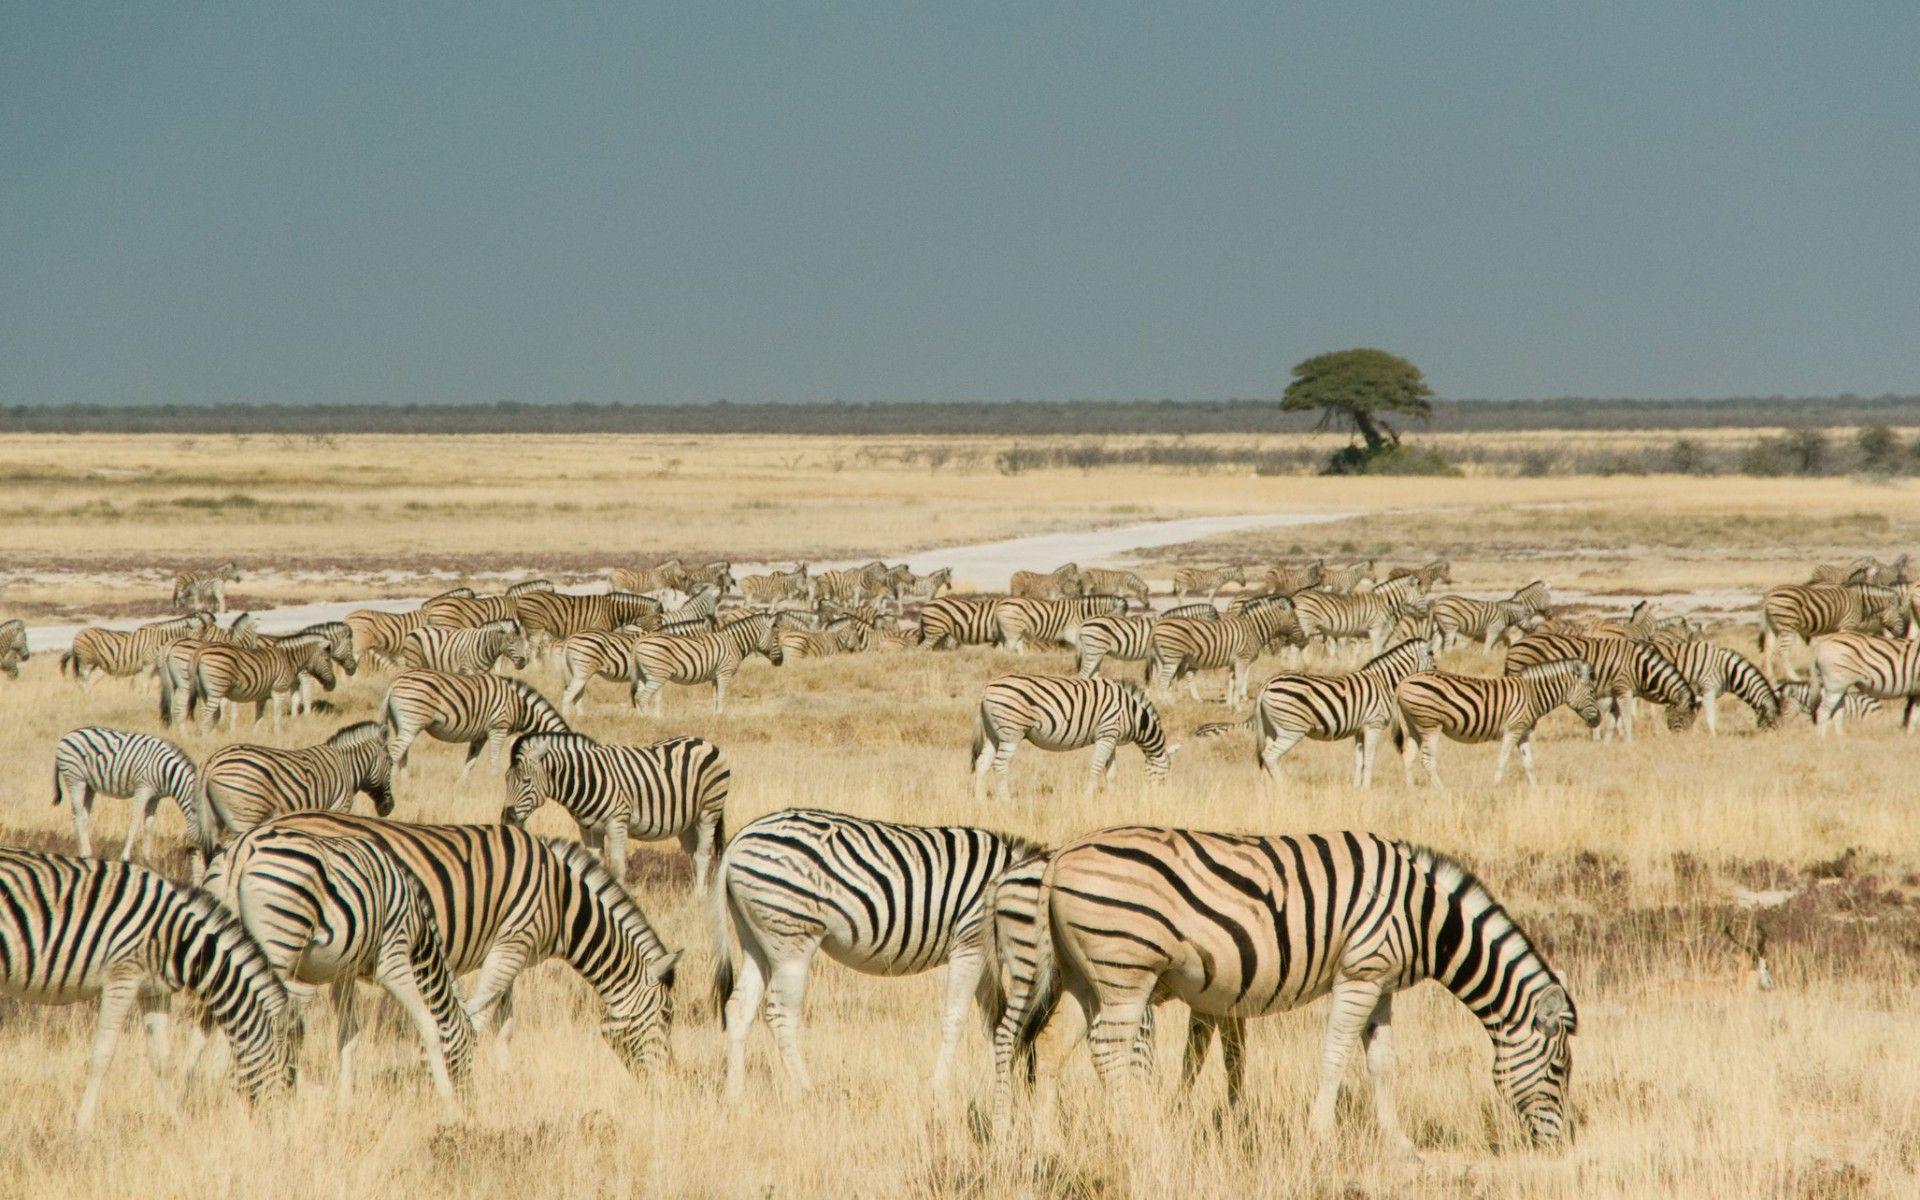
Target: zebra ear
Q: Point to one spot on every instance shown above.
(660, 970)
(1553, 1011)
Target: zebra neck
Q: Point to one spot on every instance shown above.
(1479, 955)
(610, 948)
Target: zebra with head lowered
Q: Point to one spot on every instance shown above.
(672, 788)
(1807, 611)
(955, 621)
(128, 652)
(1023, 622)
(475, 651)
(1803, 696)
(1458, 618)
(1184, 646)
(79, 929)
(505, 900)
(1359, 705)
(1192, 581)
(13, 646)
(702, 658)
(1332, 615)
(480, 710)
(880, 897)
(1238, 927)
(1881, 668)
(204, 591)
(268, 677)
(97, 761)
(1060, 583)
(1100, 581)
(1065, 714)
(1712, 670)
(247, 785)
(1127, 637)
(1471, 708)
(1623, 671)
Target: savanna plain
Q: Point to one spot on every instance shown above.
(1629, 862)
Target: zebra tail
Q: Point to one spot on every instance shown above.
(56, 785)
(722, 944)
(1044, 996)
(69, 665)
(1216, 728)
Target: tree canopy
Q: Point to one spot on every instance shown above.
(1358, 388)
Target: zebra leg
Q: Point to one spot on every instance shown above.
(1233, 1056)
(719, 692)
(983, 763)
(395, 973)
(493, 989)
(648, 693)
(964, 972)
(1710, 700)
(743, 1007)
(1354, 1002)
(1101, 766)
(145, 800)
(80, 803)
(786, 996)
(347, 1017)
(616, 854)
(1200, 1029)
(698, 842)
(154, 1017)
(117, 999)
(1381, 1069)
(1526, 756)
(1276, 748)
(1428, 746)
(1500, 762)
(1114, 1032)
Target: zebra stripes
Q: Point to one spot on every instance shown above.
(1623, 670)
(94, 760)
(1712, 670)
(268, 677)
(1807, 611)
(855, 585)
(13, 646)
(549, 618)
(673, 788)
(1330, 615)
(776, 586)
(924, 587)
(1470, 708)
(1803, 696)
(1286, 579)
(702, 658)
(504, 900)
(249, 785)
(474, 651)
(1193, 581)
(643, 580)
(1065, 714)
(1239, 927)
(1867, 569)
(1126, 638)
(378, 635)
(1462, 617)
(204, 591)
(1859, 663)
(1100, 581)
(842, 635)
(128, 652)
(1061, 583)
(78, 929)
(880, 897)
(480, 710)
(955, 621)
(1023, 621)
(1183, 646)
(1346, 577)
(1439, 570)
(461, 609)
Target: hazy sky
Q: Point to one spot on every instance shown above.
(355, 201)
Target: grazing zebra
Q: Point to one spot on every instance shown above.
(474, 651)
(505, 900)
(246, 785)
(176, 664)
(480, 710)
(1346, 577)
(1359, 705)
(1184, 645)
(776, 586)
(13, 646)
(461, 609)
(882, 898)
(924, 587)
(1807, 611)
(195, 591)
(1883, 668)
(337, 636)
(335, 910)
(1023, 621)
(1329, 615)
(1192, 581)
(1471, 708)
(1065, 714)
(94, 760)
(378, 635)
(1061, 583)
(1803, 696)
(717, 574)
(225, 677)
(702, 658)
(842, 635)
(550, 618)
(1623, 670)
(852, 586)
(128, 652)
(1288, 578)
(1099, 581)
(1487, 621)
(1711, 670)
(1868, 570)
(1438, 571)
(673, 788)
(959, 621)
(76, 929)
(1238, 927)
(1127, 638)
(644, 580)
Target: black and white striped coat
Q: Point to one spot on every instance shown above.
(268, 677)
(924, 587)
(1807, 611)
(480, 710)
(474, 651)
(128, 652)
(1472, 708)
(204, 591)
(776, 586)
(1128, 638)
(702, 658)
(955, 621)
(880, 897)
(1061, 583)
(1195, 581)
(378, 634)
(1285, 579)
(642, 581)
(1023, 622)
(1486, 621)
(1185, 646)
(1333, 615)
(853, 585)
(94, 760)
(247, 785)
(13, 646)
(75, 930)
(1859, 663)
(676, 788)
(461, 609)
(588, 656)
(1072, 713)
(1803, 696)
(1712, 670)
(550, 618)
(1102, 581)
(1623, 671)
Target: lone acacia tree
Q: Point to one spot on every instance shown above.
(1358, 388)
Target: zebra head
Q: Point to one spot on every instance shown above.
(315, 659)
(1149, 734)
(1532, 1061)
(526, 778)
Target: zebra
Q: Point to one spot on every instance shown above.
(1099, 581)
(1623, 670)
(842, 635)
(128, 652)
(880, 897)
(1288, 578)
(1803, 696)
(708, 657)
(1472, 708)
(776, 586)
(246, 785)
(597, 655)
(1807, 611)
(13, 646)
(717, 574)
(1711, 670)
(644, 580)
(335, 910)
(1023, 621)
(1182, 646)
(1439, 570)
(95, 760)
(1359, 705)
(1192, 581)
(461, 609)
(195, 591)
(672, 788)
(924, 587)
(505, 900)
(1329, 615)
(854, 585)
(225, 677)
(378, 635)
(475, 651)
(1065, 714)
(1867, 570)
(1461, 617)
(701, 604)
(1883, 668)
(1127, 638)
(1347, 577)
(549, 618)
(1240, 926)
(177, 663)
(959, 621)
(337, 636)
(1061, 583)
(480, 710)
(77, 929)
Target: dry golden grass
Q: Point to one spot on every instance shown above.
(1624, 863)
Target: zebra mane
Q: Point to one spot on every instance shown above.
(1386, 656)
(217, 922)
(529, 585)
(594, 876)
(1553, 667)
(357, 734)
(525, 743)
(1454, 884)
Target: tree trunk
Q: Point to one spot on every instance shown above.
(1363, 421)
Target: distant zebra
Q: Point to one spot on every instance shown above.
(331, 911)
(717, 574)
(880, 897)
(474, 651)
(378, 635)
(1867, 570)
(959, 621)
(1438, 571)
(925, 587)
(588, 656)
(1193, 581)
(466, 611)
(1803, 696)
(504, 900)
(94, 760)
(1346, 577)
(122, 652)
(843, 635)
(268, 677)
(176, 664)
(550, 618)
(1711, 670)
(480, 710)
(776, 586)
(198, 591)
(853, 585)
(1360, 705)
(1065, 714)
(701, 604)
(1471, 708)
(1330, 616)
(673, 788)
(1883, 668)
(643, 580)
(1237, 927)
(1127, 638)
(336, 636)
(703, 658)
(1042, 623)
(1807, 611)
(79, 929)
(1623, 671)
(1288, 578)
(1061, 583)
(13, 646)
(1487, 621)
(1184, 646)
(247, 785)
(1099, 581)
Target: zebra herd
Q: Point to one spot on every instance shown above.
(290, 893)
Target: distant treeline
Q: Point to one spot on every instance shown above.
(1004, 418)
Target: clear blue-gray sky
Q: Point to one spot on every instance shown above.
(368, 202)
